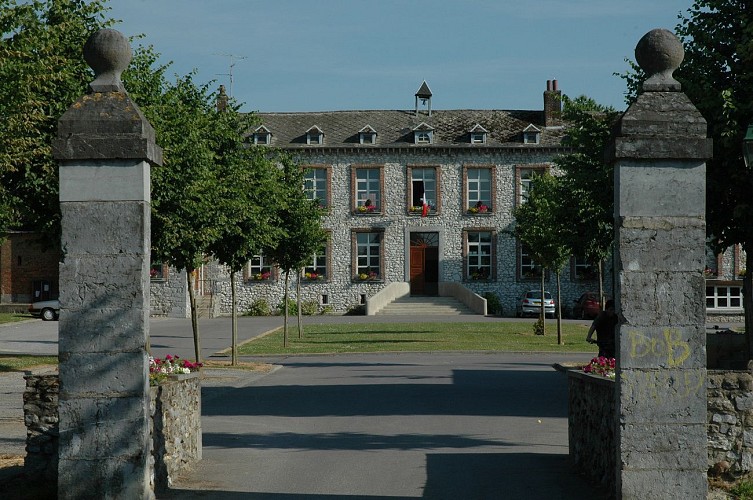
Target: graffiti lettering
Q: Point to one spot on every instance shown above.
(663, 386)
(671, 346)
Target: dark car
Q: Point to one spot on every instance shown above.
(48, 310)
(587, 306)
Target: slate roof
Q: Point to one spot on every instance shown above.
(394, 128)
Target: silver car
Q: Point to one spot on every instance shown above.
(529, 304)
(48, 310)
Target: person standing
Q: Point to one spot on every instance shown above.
(604, 325)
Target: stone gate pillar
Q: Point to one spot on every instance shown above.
(659, 153)
(104, 147)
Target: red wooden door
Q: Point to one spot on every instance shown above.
(417, 275)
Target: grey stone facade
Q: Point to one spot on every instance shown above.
(512, 141)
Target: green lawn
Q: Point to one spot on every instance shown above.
(15, 363)
(13, 317)
(382, 337)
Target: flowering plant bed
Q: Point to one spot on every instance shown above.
(160, 369)
(601, 366)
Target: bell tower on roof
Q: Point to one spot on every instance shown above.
(424, 94)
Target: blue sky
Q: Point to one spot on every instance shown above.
(324, 55)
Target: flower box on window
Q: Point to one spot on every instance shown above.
(369, 276)
(312, 276)
(158, 272)
(265, 276)
(479, 276)
(478, 209)
(366, 209)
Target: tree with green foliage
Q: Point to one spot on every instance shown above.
(250, 189)
(300, 219)
(587, 193)
(187, 217)
(717, 76)
(539, 226)
(42, 73)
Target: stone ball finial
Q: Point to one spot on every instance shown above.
(659, 53)
(108, 53)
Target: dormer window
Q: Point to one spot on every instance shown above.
(262, 135)
(423, 134)
(367, 135)
(478, 134)
(531, 134)
(314, 136)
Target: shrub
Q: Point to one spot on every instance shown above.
(743, 491)
(327, 310)
(493, 304)
(260, 307)
(538, 327)
(292, 308)
(309, 307)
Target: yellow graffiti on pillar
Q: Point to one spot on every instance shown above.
(672, 346)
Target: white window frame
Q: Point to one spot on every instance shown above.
(313, 139)
(318, 264)
(527, 267)
(368, 186)
(422, 137)
(474, 190)
(368, 258)
(479, 255)
(722, 298)
(581, 267)
(418, 174)
(478, 137)
(258, 265)
(531, 137)
(315, 183)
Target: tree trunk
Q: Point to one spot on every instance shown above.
(285, 306)
(542, 314)
(559, 311)
(748, 300)
(298, 298)
(194, 316)
(234, 321)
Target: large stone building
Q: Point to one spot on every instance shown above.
(455, 159)
(372, 171)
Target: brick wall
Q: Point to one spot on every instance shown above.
(23, 261)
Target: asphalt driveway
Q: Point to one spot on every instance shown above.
(441, 425)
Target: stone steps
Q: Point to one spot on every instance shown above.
(425, 306)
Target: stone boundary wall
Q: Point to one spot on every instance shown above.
(730, 421)
(591, 426)
(592, 417)
(175, 427)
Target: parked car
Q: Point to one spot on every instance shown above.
(48, 310)
(587, 306)
(529, 304)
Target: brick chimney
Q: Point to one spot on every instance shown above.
(552, 104)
